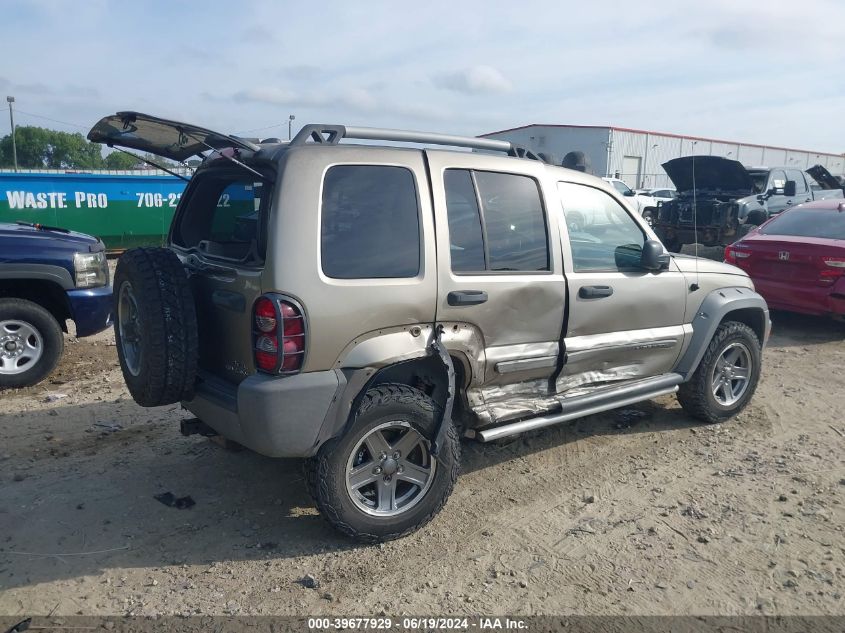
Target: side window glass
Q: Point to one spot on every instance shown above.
(506, 233)
(466, 242)
(798, 177)
(602, 235)
(514, 221)
(777, 180)
(370, 223)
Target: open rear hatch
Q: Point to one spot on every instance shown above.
(171, 139)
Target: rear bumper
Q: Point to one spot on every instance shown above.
(90, 309)
(276, 416)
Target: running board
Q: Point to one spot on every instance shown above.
(589, 404)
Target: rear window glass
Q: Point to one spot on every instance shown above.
(828, 223)
(226, 217)
(370, 223)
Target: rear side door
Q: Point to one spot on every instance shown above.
(624, 323)
(802, 189)
(499, 268)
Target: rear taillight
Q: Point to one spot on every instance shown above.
(734, 255)
(278, 335)
(832, 269)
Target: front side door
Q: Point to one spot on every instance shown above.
(499, 270)
(624, 323)
(777, 201)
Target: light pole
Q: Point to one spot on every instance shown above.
(290, 123)
(11, 100)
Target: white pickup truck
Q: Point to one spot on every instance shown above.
(643, 204)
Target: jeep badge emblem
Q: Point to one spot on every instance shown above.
(783, 255)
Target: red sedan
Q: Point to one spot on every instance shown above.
(797, 258)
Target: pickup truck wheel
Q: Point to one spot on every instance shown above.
(155, 326)
(379, 481)
(31, 343)
(727, 376)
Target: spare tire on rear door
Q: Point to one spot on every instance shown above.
(155, 326)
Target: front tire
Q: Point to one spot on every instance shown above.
(379, 481)
(726, 377)
(31, 343)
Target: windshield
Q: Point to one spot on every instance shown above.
(621, 187)
(759, 178)
(809, 222)
(225, 216)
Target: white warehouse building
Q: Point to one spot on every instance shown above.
(636, 156)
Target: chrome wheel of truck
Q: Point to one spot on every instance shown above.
(390, 469)
(21, 346)
(731, 374)
(378, 480)
(31, 343)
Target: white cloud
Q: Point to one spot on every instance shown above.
(718, 68)
(474, 81)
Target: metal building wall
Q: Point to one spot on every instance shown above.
(609, 147)
(559, 141)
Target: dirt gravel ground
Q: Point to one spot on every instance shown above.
(617, 514)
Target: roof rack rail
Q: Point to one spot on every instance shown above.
(332, 135)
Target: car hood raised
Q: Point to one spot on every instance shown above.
(710, 172)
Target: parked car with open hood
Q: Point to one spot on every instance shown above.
(719, 199)
(365, 306)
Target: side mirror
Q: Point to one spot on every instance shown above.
(789, 188)
(654, 257)
(629, 193)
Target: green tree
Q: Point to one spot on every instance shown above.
(119, 160)
(40, 148)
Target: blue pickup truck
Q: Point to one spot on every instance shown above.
(48, 276)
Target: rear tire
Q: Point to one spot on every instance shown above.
(716, 390)
(155, 326)
(388, 505)
(31, 343)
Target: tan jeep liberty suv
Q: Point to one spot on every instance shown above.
(365, 306)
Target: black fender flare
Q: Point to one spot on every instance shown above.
(748, 306)
(43, 272)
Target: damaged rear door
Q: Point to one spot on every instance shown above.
(499, 271)
(171, 139)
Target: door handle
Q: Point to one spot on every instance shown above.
(466, 297)
(595, 292)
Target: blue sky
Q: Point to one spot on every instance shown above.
(755, 71)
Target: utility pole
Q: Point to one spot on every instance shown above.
(11, 100)
(290, 123)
